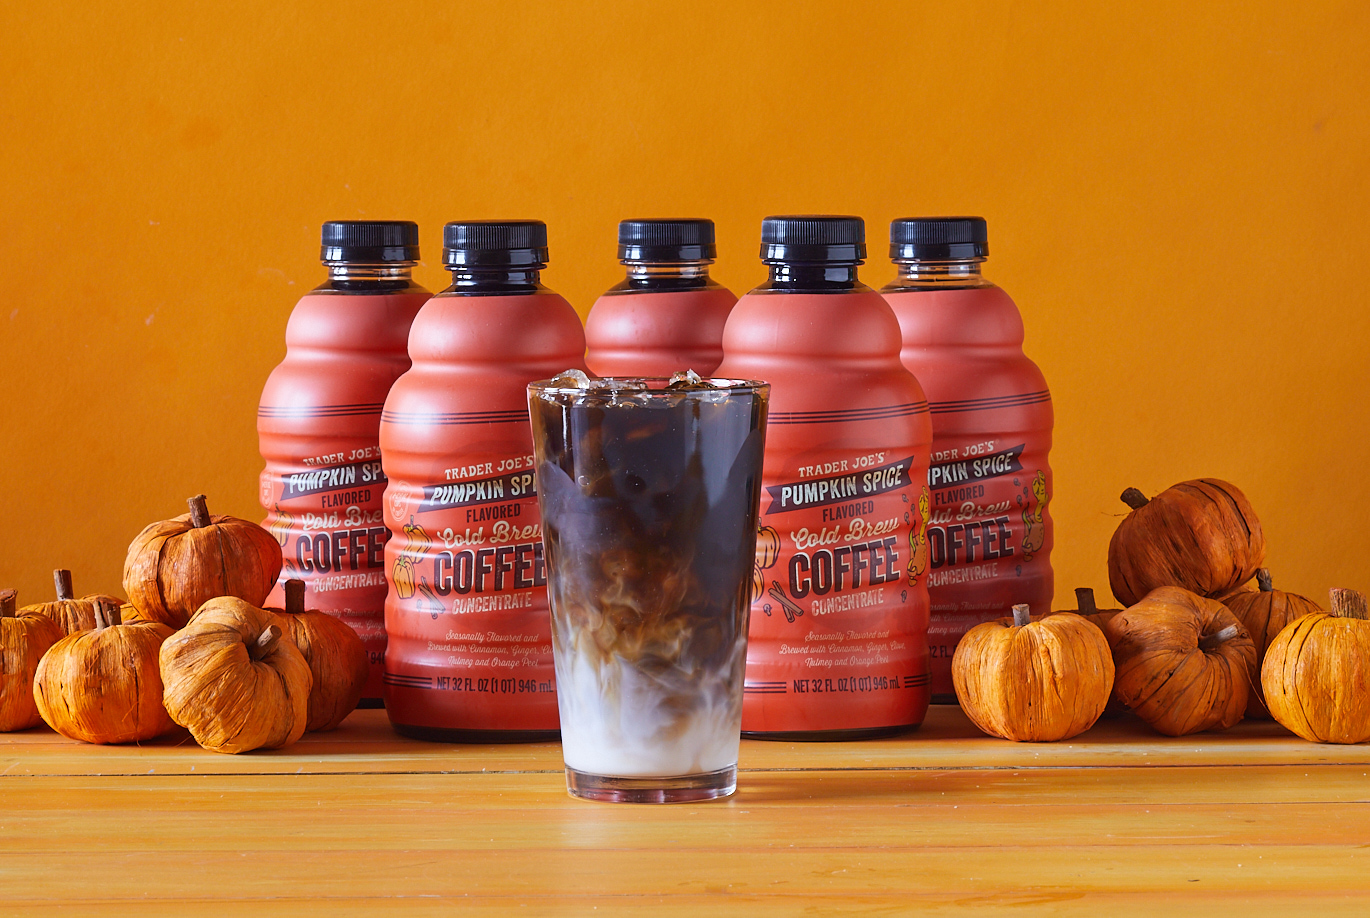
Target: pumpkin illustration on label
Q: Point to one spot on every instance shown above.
(403, 571)
(767, 550)
(1034, 533)
(918, 538)
(280, 524)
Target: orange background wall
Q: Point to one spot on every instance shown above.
(1177, 197)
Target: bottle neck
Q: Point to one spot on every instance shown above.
(352, 277)
(940, 275)
(812, 278)
(688, 275)
(469, 280)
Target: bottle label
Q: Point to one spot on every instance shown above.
(988, 538)
(468, 612)
(327, 514)
(838, 607)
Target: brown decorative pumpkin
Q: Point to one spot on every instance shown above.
(1184, 661)
(231, 680)
(1099, 618)
(1316, 673)
(1265, 612)
(24, 637)
(176, 566)
(102, 686)
(1033, 681)
(71, 614)
(1201, 535)
(335, 654)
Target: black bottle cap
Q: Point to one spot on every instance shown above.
(938, 238)
(370, 242)
(495, 243)
(666, 241)
(813, 240)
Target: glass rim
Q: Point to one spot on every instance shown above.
(653, 386)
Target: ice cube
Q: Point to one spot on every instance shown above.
(685, 379)
(571, 379)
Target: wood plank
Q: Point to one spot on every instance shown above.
(366, 743)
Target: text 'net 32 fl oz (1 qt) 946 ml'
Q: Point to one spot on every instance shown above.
(470, 652)
(837, 647)
(989, 530)
(319, 420)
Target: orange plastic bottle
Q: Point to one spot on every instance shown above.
(470, 651)
(989, 536)
(319, 421)
(668, 314)
(837, 646)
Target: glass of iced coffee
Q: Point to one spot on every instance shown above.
(649, 491)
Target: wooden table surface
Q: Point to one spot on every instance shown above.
(1120, 821)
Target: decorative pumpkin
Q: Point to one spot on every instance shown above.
(1033, 681)
(1184, 661)
(102, 686)
(1265, 612)
(24, 637)
(1099, 618)
(1201, 535)
(1316, 673)
(232, 681)
(70, 614)
(175, 566)
(336, 657)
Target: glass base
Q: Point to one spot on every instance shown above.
(667, 789)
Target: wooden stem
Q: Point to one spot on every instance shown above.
(8, 600)
(1349, 604)
(265, 643)
(1022, 615)
(1211, 641)
(114, 614)
(199, 511)
(294, 596)
(1135, 499)
(1084, 599)
(1263, 581)
(101, 621)
(62, 580)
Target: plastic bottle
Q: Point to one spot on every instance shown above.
(837, 647)
(989, 535)
(470, 652)
(667, 314)
(319, 421)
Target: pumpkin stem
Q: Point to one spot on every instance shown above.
(8, 600)
(1349, 604)
(62, 580)
(101, 622)
(294, 597)
(1084, 598)
(1263, 580)
(1212, 641)
(1022, 615)
(265, 643)
(1135, 499)
(199, 511)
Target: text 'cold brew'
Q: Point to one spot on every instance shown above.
(470, 655)
(837, 645)
(318, 426)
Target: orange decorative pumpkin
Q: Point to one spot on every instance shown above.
(1266, 612)
(1316, 674)
(175, 566)
(230, 679)
(1033, 681)
(71, 614)
(102, 686)
(24, 638)
(1184, 661)
(1099, 618)
(1201, 535)
(335, 654)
